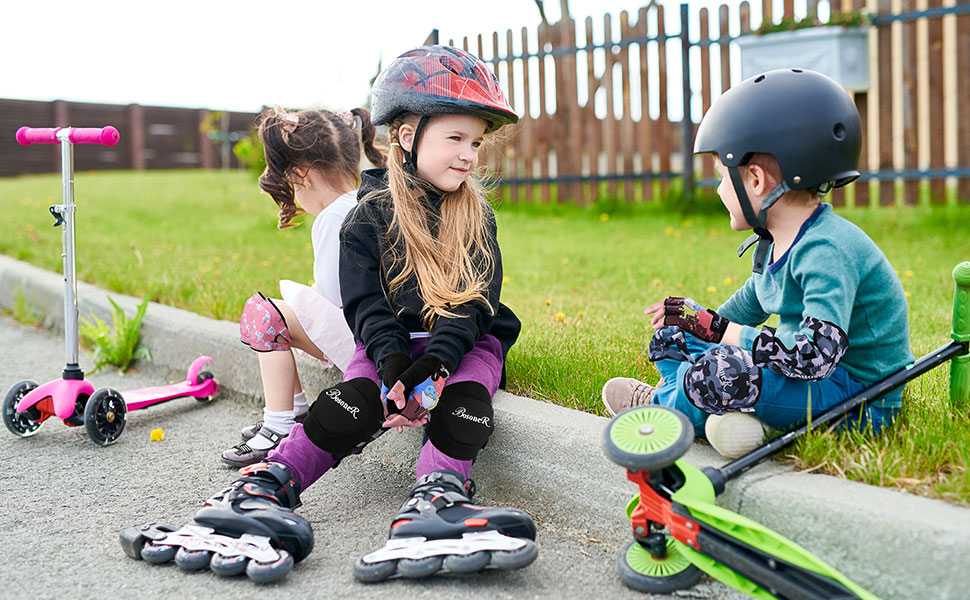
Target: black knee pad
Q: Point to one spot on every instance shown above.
(345, 416)
(463, 420)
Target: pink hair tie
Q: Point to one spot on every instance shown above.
(350, 119)
(291, 120)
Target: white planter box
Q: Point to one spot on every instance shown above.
(842, 53)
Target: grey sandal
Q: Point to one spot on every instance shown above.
(242, 455)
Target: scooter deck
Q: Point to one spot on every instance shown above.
(141, 398)
(738, 551)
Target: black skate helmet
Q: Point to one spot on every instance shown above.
(807, 121)
(434, 80)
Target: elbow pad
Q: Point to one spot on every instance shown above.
(811, 359)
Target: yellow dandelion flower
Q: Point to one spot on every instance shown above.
(25, 201)
(909, 274)
(235, 256)
(548, 301)
(505, 280)
(907, 294)
(264, 263)
(712, 232)
(565, 261)
(680, 286)
(686, 223)
(711, 289)
(580, 315)
(216, 259)
(921, 261)
(308, 246)
(657, 282)
(217, 272)
(678, 233)
(157, 435)
(669, 230)
(310, 282)
(287, 258)
(604, 217)
(728, 281)
(560, 317)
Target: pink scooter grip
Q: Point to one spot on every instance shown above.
(107, 136)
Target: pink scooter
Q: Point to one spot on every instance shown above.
(71, 398)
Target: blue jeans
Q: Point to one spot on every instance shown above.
(783, 403)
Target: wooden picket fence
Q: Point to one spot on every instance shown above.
(916, 114)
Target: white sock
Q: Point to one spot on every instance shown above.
(279, 422)
(300, 406)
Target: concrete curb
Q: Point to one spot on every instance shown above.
(549, 461)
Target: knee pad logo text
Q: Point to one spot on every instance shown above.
(334, 394)
(460, 413)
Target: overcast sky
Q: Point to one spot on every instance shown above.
(243, 54)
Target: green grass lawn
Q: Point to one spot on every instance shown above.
(578, 278)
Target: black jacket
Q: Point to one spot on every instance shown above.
(383, 323)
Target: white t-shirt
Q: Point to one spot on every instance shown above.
(325, 236)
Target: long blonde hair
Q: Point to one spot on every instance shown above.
(456, 266)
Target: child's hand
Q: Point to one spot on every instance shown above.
(702, 323)
(658, 314)
(399, 421)
(423, 380)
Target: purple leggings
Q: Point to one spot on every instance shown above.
(308, 462)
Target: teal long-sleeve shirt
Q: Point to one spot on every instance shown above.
(833, 272)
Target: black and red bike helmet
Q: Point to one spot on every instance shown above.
(433, 80)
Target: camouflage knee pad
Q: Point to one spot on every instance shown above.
(723, 379)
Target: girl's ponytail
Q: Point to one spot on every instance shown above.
(368, 133)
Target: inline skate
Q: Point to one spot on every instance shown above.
(439, 530)
(248, 527)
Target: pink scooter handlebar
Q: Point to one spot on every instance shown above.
(108, 136)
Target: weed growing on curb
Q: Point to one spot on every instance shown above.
(24, 311)
(118, 345)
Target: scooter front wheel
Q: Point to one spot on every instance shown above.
(104, 416)
(204, 376)
(641, 571)
(648, 438)
(21, 425)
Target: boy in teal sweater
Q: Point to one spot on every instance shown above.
(781, 141)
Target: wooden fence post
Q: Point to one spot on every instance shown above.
(686, 124)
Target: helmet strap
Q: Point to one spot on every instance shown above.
(757, 222)
(411, 158)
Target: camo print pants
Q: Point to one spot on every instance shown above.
(780, 402)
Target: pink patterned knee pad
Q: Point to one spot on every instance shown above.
(262, 326)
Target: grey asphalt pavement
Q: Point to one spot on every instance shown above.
(65, 500)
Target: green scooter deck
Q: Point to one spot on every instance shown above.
(750, 546)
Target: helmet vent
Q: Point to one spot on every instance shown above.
(759, 79)
(838, 132)
(796, 71)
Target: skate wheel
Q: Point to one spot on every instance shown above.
(20, 425)
(468, 563)
(366, 572)
(104, 416)
(192, 560)
(640, 571)
(228, 566)
(265, 572)
(416, 568)
(515, 559)
(648, 438)
(158, 553)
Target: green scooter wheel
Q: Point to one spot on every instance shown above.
(639, 570)
(648, 438)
